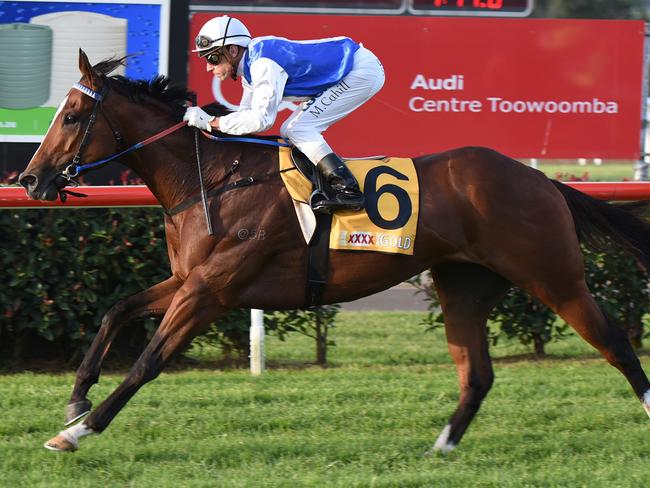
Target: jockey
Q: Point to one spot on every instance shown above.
(331, 77)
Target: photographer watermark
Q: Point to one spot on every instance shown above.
(251, 234)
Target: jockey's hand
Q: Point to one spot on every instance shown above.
(197, 117)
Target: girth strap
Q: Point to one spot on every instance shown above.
(318, 261)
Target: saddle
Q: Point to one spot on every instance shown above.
(307, 169)
(304, 165)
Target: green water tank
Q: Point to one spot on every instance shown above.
(25, 65)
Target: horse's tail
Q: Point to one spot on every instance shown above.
(595, 221)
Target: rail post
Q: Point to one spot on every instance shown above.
(257, 342)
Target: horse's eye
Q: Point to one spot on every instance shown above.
(70, 119)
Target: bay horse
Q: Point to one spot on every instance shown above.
(487, 222)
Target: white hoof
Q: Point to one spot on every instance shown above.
(68, 439)
(646, 402)
(61, 443)
(442, 444)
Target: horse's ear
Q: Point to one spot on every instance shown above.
(85, 68)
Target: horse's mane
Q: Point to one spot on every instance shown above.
(159, 88)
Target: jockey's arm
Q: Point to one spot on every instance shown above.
(260, 100)
(246, 101)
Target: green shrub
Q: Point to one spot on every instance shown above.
(315, 323)
(620, 286)
(525, 318)
(231, 334)
(65, 268)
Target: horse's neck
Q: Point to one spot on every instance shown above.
(169, 168)
(165, 168)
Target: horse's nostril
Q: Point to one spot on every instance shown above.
(28, 181)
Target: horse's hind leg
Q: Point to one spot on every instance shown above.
(151, 302)
(467, 294)
(577, 307)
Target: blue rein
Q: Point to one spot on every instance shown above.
(246, 139)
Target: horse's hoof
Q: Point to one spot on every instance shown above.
(60, 443)
(443, 445)
(75, 411)
(436, 452)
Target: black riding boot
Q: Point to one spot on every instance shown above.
(347, 194)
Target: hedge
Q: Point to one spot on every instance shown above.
(65, 268)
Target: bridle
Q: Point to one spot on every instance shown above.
(74, 169)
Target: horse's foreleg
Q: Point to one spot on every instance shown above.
(151, 302)
(467, 294)
(192, 309)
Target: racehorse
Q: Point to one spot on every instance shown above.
(486, 222)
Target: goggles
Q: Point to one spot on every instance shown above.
(214, 57)
(203, 42)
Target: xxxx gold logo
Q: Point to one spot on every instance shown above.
(361, 238)
(357, 238)
(375, 240)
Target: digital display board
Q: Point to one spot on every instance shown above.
(496, 8)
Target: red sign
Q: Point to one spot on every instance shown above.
(542, 88)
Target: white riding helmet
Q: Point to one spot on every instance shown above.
(220, 32)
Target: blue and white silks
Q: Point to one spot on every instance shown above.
(311, 66)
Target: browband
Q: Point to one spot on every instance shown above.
(91, 93)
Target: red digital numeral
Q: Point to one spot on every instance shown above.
(491, 4)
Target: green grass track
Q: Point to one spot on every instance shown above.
(365, 421)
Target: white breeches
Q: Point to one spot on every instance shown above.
(305, 126)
